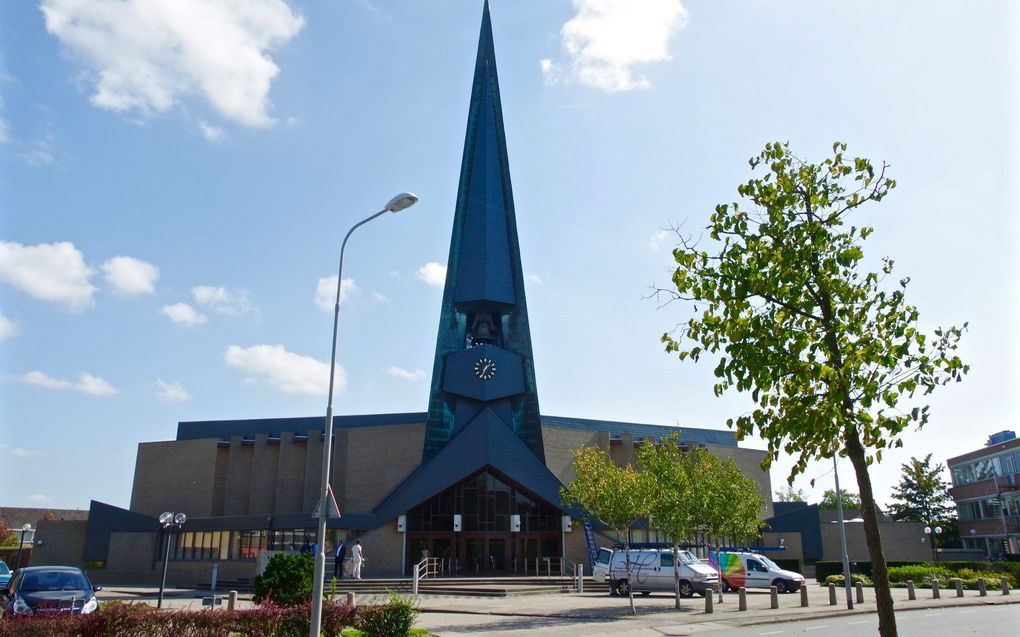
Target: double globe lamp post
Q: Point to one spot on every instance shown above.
(933, 534)
(169, 521)
(401, 202)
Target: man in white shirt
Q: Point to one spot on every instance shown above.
(357, 559)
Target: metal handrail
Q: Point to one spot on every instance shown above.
(427, 567)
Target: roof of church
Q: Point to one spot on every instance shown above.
(224, 429)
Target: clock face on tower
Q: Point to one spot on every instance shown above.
(485, 368)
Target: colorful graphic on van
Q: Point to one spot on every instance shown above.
(731, 568)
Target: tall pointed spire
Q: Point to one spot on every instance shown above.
(483, 350)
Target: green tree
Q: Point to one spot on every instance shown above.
(678, 503)
(827, 352)
(7, 537)
(923, 496)
(850, 500)
(615, 496)
(789, 494)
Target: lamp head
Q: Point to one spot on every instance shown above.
(180, 518)
(27, 527)
(166, 517)
(927, 529)
(402, 201)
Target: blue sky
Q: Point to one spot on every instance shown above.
(176, 176)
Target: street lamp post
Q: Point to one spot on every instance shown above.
(169, 521)
(401, 202)
(25, 530)
(933, 533)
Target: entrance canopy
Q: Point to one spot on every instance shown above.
(485, 442)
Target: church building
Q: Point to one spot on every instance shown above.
(475, 479)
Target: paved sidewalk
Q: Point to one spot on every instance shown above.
(594, 614)
(599, 614)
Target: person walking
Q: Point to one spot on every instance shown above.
(338, 559)
(357, 559)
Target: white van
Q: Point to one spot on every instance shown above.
(751, 570)
(652, 571)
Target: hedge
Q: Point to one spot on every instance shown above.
(957, 569)
(117, 619)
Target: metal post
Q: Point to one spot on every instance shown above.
(860, 592)
(832, 594)
(741, 598)
(803, 596)
(1004, 585)
(315, 623)
(842, 537)
(709, 596)
(935, 593)
(166, 561)
(232, 600)
(911, 595)
(773, 597)
(982, 587)
(959, 586)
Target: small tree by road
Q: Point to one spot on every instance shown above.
(922, 495)
(678, 502)
(615, 496)
(829, 353)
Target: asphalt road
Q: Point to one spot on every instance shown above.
(967, 620)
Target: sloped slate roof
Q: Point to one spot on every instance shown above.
(485, 442)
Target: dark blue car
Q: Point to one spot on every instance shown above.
(49, 589)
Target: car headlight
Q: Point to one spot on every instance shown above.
(20, 607)
(90, 606)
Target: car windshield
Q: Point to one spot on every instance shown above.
(686, 557)
(769, 563)
(53, 581)
(3, 569)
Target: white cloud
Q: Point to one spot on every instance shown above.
(210, 132)
(379, 296)
(222, 300)
(5, 132)
(129, 276)
(39, 498)
(655, 242)
(533, 278)
(148, 55)
(38, 152)
(290, 373)
(432, 273)
(325, 292)
(86, 384)
(20, 452)
(607, 38)
(183, 314)
(403, 374)
(171, 392)
(54, 272)
(8, 328)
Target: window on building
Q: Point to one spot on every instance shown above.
(969, 510)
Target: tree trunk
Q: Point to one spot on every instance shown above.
(676, 574)
(630, 578)
(869, 510)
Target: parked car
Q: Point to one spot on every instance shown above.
(5, 574)
(751, 570)
(49, 589)
(651, 570)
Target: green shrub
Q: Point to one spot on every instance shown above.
(855, 578)
(287, 580)
(920, 574)
(392, 619)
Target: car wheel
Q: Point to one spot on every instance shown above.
(780, 586)
(686, 590)
(725, 586)
(623, 587)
